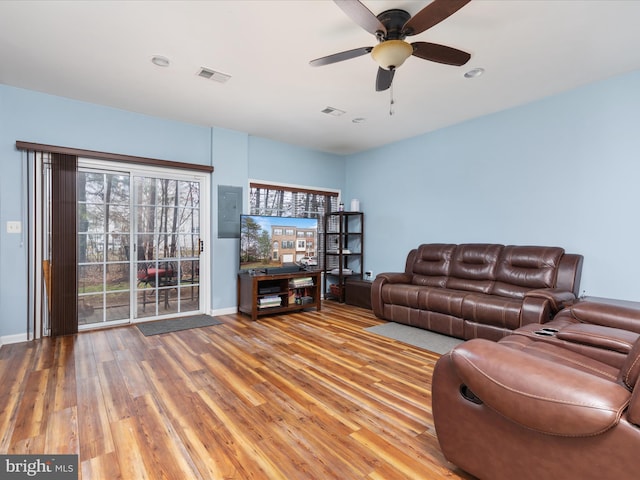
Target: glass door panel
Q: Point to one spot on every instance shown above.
(104, 288)
(167, 219)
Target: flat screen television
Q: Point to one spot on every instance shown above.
(278, 244)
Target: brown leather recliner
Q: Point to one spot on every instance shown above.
(529, 409)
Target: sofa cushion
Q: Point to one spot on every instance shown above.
(492, 310)
(473, 267)
(522, 268)
(432, 264)
(542, 349)
(442, 300)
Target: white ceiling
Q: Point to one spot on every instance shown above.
(100, 52)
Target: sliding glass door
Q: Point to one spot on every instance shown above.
(167, 245)
(140, 245)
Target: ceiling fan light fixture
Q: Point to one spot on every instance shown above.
(392, 53)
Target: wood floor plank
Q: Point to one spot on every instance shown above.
(129, 452)
(62, 431)
(94, 428)
(114, 391)
(306, 396)
(164, 454)
(31, 417)
(101, 466)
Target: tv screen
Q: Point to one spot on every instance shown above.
(272, 243)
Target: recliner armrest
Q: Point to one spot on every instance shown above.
(376, 288)
(539, 394)
(599, 336)
(393, 277)
(558, 298)
(608, 315)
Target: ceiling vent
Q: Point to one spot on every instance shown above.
(333, 111)
(213, 75)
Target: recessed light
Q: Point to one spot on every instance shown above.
(160, 61)
(359, 120)
(474, 72)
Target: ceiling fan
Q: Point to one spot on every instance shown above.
(391, 27)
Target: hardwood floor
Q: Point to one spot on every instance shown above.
(301, 396)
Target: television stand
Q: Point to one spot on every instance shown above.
(267, 294)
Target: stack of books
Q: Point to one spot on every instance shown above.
(269, 301)
(301, 282)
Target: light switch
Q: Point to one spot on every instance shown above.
(14, 227)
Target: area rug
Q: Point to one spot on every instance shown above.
(177, 324)
(418, 337)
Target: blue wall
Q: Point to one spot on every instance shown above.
(561, 171)
(236, 157)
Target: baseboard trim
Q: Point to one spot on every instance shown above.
(22, 337)
(17, 338)
(224, 311)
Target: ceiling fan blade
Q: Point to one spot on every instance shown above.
(360, 14)
(431, 15)
(339, 57)
(384, 79)
(440, 53)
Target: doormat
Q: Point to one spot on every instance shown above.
(418, 337)
(177, 324)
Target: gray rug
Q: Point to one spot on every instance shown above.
(418, 337)
(177, 324)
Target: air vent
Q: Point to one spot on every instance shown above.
(333, 111)
(213, 75)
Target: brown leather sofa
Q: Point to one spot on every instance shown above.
(478, 290)
(534, 406)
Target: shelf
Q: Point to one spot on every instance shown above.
(282, 289)
(344, 247)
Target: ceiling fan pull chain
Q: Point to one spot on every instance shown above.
(391, 101)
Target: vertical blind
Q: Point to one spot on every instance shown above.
(64, 284)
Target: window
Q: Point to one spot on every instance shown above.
(285, 201)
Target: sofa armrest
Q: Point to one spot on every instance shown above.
(381, 280)
(535, 310)
(605, 314)
(558, 298)
(599, 336)
(537, 393)
(393, 277)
